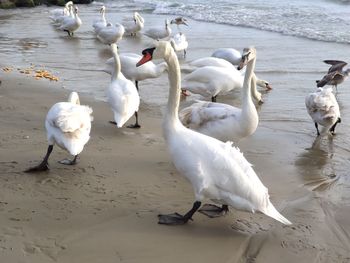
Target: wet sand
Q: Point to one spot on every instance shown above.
(105, 208)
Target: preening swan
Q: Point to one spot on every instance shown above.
(216, 170)
(71, 24)
(136, 74)
(179, 43)
(135, 25)
(323, 108)
(110, 34)
(159, 32)
(230, 54)
(237, 74)
(122, 95)
(209, 81)
(222, 121)
(100, 22)
(336, 75)
(68, 125)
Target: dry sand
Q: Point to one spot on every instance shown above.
(105, 208)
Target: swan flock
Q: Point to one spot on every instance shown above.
(202, 137)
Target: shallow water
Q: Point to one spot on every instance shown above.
(286, 134)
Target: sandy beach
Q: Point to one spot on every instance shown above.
(105, 208)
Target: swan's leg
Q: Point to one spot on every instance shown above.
(213, 99)
(136, 125)
(113, 122)
(318, 132)
(43, 166)
(185, 52)
(137, 85)
(332, 129)
(177, 219)
(70, 162)
(67, 32)
(213, 211)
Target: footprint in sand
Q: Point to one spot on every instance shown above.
(45, 246)
(248, 227)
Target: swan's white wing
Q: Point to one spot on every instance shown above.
(69, 117)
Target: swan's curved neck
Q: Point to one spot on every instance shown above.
(249, 85)
(103, 15)
(117, 66)
(256, 95)
(172, 118)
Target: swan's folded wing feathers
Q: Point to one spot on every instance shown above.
(73, 118)
(237, 173)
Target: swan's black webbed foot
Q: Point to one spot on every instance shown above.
(134, 126)
(70, 162)
(113, 122)
(213, 211)
(43, 166)
(172, 219)
(177, 219)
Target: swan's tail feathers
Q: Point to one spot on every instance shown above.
(272, 212)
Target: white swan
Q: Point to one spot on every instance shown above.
(216, 170)
(323, 108)
(71, 24)
(135, 25)
(230, 54)
(100, 22)
(68, 125)
(159, 32)
(122, 95)
(179, 43)
(110, 34)
(209, 81)
(57, 15)
(222, 121)
(133, 73)
(212, 76)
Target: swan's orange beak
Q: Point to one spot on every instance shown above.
(146, 57)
